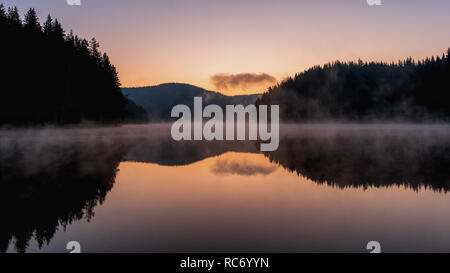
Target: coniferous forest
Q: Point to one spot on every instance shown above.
(50, 76)
(410, 90)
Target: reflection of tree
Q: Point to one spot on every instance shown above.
(42, 188)
(51, 178)
(363, 160)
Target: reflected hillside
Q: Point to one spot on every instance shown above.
(165, 151)
(48, 186)
(415, 157)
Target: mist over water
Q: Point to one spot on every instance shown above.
(61, 184)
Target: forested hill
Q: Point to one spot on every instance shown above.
(49, 76)
(417, 91)
(159, 100)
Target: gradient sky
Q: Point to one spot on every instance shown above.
(158, 41)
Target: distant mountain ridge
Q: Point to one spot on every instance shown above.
(159, 100)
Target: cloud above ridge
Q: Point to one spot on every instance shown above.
(242, 81)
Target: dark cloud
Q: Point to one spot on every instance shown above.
(243, 81)
(225, 167)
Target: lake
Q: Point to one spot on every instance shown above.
(328, 188)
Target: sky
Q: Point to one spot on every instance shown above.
(244, 46)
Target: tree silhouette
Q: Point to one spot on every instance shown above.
(48, 26)
(2, 13)
(54, 77)
(93, 47)
(32, 21)
(361, 91)
(14, 17)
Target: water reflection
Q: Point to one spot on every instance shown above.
(52, 179)
(240, 166)
(414, 157)
(50, 186)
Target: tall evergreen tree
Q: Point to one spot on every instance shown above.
(14, 17)
(2, 12)
(110, 69)
(57, 31)
(93, 48)
(70, 38)
(32, 21)
(48, 26)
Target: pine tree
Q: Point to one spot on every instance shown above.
(111, 69)
(32, 21)
(58, 31)
(48, 26)
(70, 38)
(93, 49)
(14, 17)
(2, 13)
(83, 47)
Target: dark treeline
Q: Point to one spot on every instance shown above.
(405, 91)
(49, 76)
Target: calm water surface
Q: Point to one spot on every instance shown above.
(132, 189)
